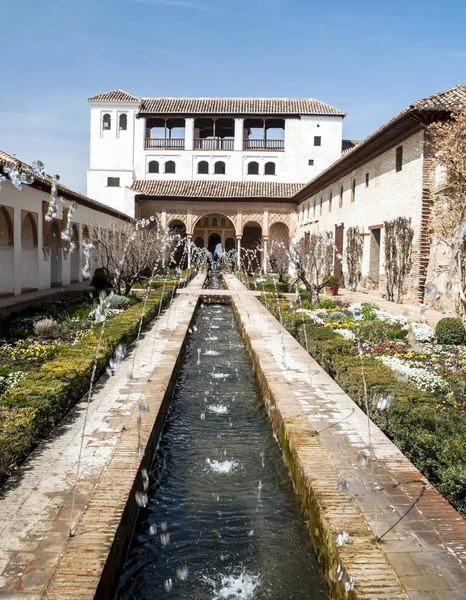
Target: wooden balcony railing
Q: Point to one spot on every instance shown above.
(214, 143)
(164, 144)
(274, 145)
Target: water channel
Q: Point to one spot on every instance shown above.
(222, 521)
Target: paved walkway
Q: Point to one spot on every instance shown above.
(423, 544)
(35, 503)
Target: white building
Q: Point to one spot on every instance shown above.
(33, 255)
(256, 140)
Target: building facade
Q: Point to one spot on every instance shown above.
(33, 255)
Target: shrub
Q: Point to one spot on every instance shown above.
(46, 328)
(100, 280)
(328, 304)
(450, 330)
(117, 301)
(31, 408)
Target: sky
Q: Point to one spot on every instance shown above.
(370, 59)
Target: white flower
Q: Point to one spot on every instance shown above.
(386, 317)
(312, 314)
(423, 333)
(346, 333)
(417, 375)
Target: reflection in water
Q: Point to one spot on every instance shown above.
(222, 520)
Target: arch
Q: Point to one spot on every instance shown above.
(251, 240)
(107, 121)
(74, 250)
(28, 232)
(123, 122)
(206, 221)
(154, 166)
(214, 222)
(178, 229)
(170, 166)
(220, 168)
(214, 241)
(230, 244)
(199, 242)
(253, 168)
(6, 228)
(223, 222)
(55, 255)
(278, 254)
(269, 168)
(203, 167)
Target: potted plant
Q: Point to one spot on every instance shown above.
(331, 285)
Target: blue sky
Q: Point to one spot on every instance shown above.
(368, 58)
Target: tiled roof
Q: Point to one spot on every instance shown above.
(45, 184)
(216, 189)
(348, 145)
(115, 96)
(237, 106)
(222, 106)
(406, 120)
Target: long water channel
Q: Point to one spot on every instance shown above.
(222, 521)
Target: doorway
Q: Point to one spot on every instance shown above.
(55, 256)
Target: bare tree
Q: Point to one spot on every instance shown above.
(354, 248)
(448, 141)
(398, 256)
(130, 253)
(313, 257)
(278, 255)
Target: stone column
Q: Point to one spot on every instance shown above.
(238, 250)
(189, 134)
(17, 250)
(264, 254)
(239, 134)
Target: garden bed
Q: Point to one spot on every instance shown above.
(415, 386)
(43, 376)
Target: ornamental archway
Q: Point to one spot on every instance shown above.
(211, 228)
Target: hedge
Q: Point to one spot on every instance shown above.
(432, 435)
(29, 410)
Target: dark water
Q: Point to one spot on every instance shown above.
(220, 489)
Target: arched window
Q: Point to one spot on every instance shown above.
(123, 122)
(6, 230)
(154, 166)
(219, 168)
(29, 232)
(106, 121)
(253, 168)
(206, 221)
(214, 222)
(269, 168)
(203, 167)
(223, 222)
(170, 166)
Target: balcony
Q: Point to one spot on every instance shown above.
(214, 143)
(264, 145)
(164, 144)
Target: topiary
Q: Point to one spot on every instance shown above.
(450, 330)
(117, 301)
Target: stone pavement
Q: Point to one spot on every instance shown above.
(35, 503)
(422, 551)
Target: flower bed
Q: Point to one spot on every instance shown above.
(41, 379)
(424, 381)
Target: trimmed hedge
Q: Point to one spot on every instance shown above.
(430, 434)
(450, 330)
(29, 410)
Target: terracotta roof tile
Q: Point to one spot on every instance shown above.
(115, 96)
(447, 100)
(348, 145)
(216, 189)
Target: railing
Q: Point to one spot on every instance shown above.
(275, 145)
(164, 144)
(214, 143)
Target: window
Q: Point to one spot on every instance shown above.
(154, 166)
(314, 210)
(269, 168)
(106, 121)
(123, 122)
(253, 168)
(203, 167)
(321, 200)
(170, 166)
(219, 168)
(367, 179)
(399, 159)
(311, 162)
(113, 182)
(317, 140)
(353, 189)
(206, 221)
(330, 200)
(223, 222)
(214, 222)
(340, 202)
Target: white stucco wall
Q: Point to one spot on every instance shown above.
(23, 268)
(390, 194)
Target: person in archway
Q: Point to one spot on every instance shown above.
(215, 262)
